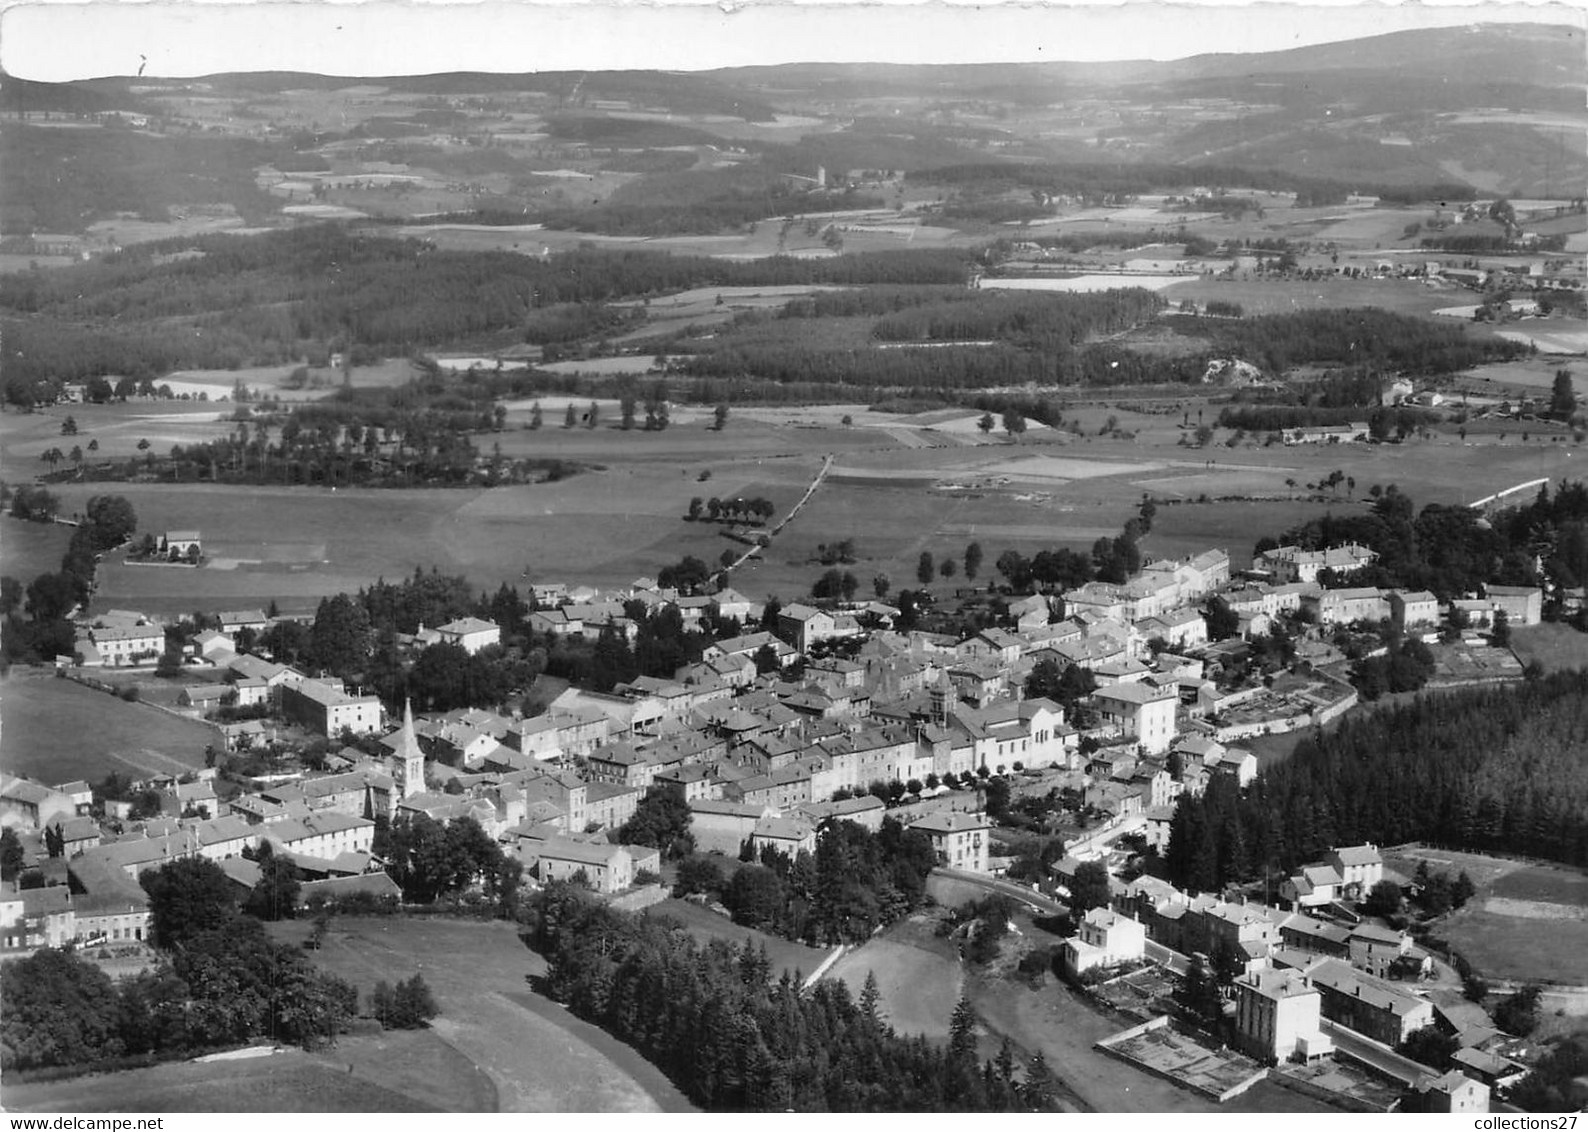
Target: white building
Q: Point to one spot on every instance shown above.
(1143, 712)
(471, 634)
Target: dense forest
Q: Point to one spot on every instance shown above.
(1356, 337)
(714, 1020)
(228, 301)
(1493, 770)
(64, 180)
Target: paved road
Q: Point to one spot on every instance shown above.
(1380, 1057)
(1043, 904)
(1164, 957)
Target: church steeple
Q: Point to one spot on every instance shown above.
(408, 757)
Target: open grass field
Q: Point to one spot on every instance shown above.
(1555, 646)
(920, 976)
(117, 427)
(1282, 296)
(290, 1081)
(30, 549)
(1235, 526)
(44, 732)
(1525, 922)
(536, 1056)
(1525, 374)
(705, 925)
(1502, 945)
(1550, 336)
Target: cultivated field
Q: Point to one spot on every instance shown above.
(46, 735)
(538, 1057)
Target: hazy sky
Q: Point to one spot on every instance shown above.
(55, 41)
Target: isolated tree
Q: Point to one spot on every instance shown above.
(339, 637)
(627, 405)
(1014, 423)
(696, 506)
(1518, 1014)
(593, 416)
(187, 897)
(1384, 899)
(924, 568)
(986, 423)
(946, 568)
(973, 558)
(1223, 622)
(11, 855)
(69, 426)
(720, 417)
(537, 415)
(1089, 889)
(275, 895)
(571, 417)
(1563, 396)
(880, 586)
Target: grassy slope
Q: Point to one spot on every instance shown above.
(47, 735)
(537, 1056)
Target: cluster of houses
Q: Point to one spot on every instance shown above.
(761, 756)
(1310, 975)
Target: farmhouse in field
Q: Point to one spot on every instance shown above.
(181, 544)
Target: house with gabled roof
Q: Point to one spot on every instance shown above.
(789, 836)
(471, 634)
(606, 868)
(724, 826)
(1311, 886)
(1360, 867)
(234, 621)
(960, 840)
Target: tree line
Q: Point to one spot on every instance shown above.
(219, 981)
(107, 522)
(1492, 770)
(1382, 340)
